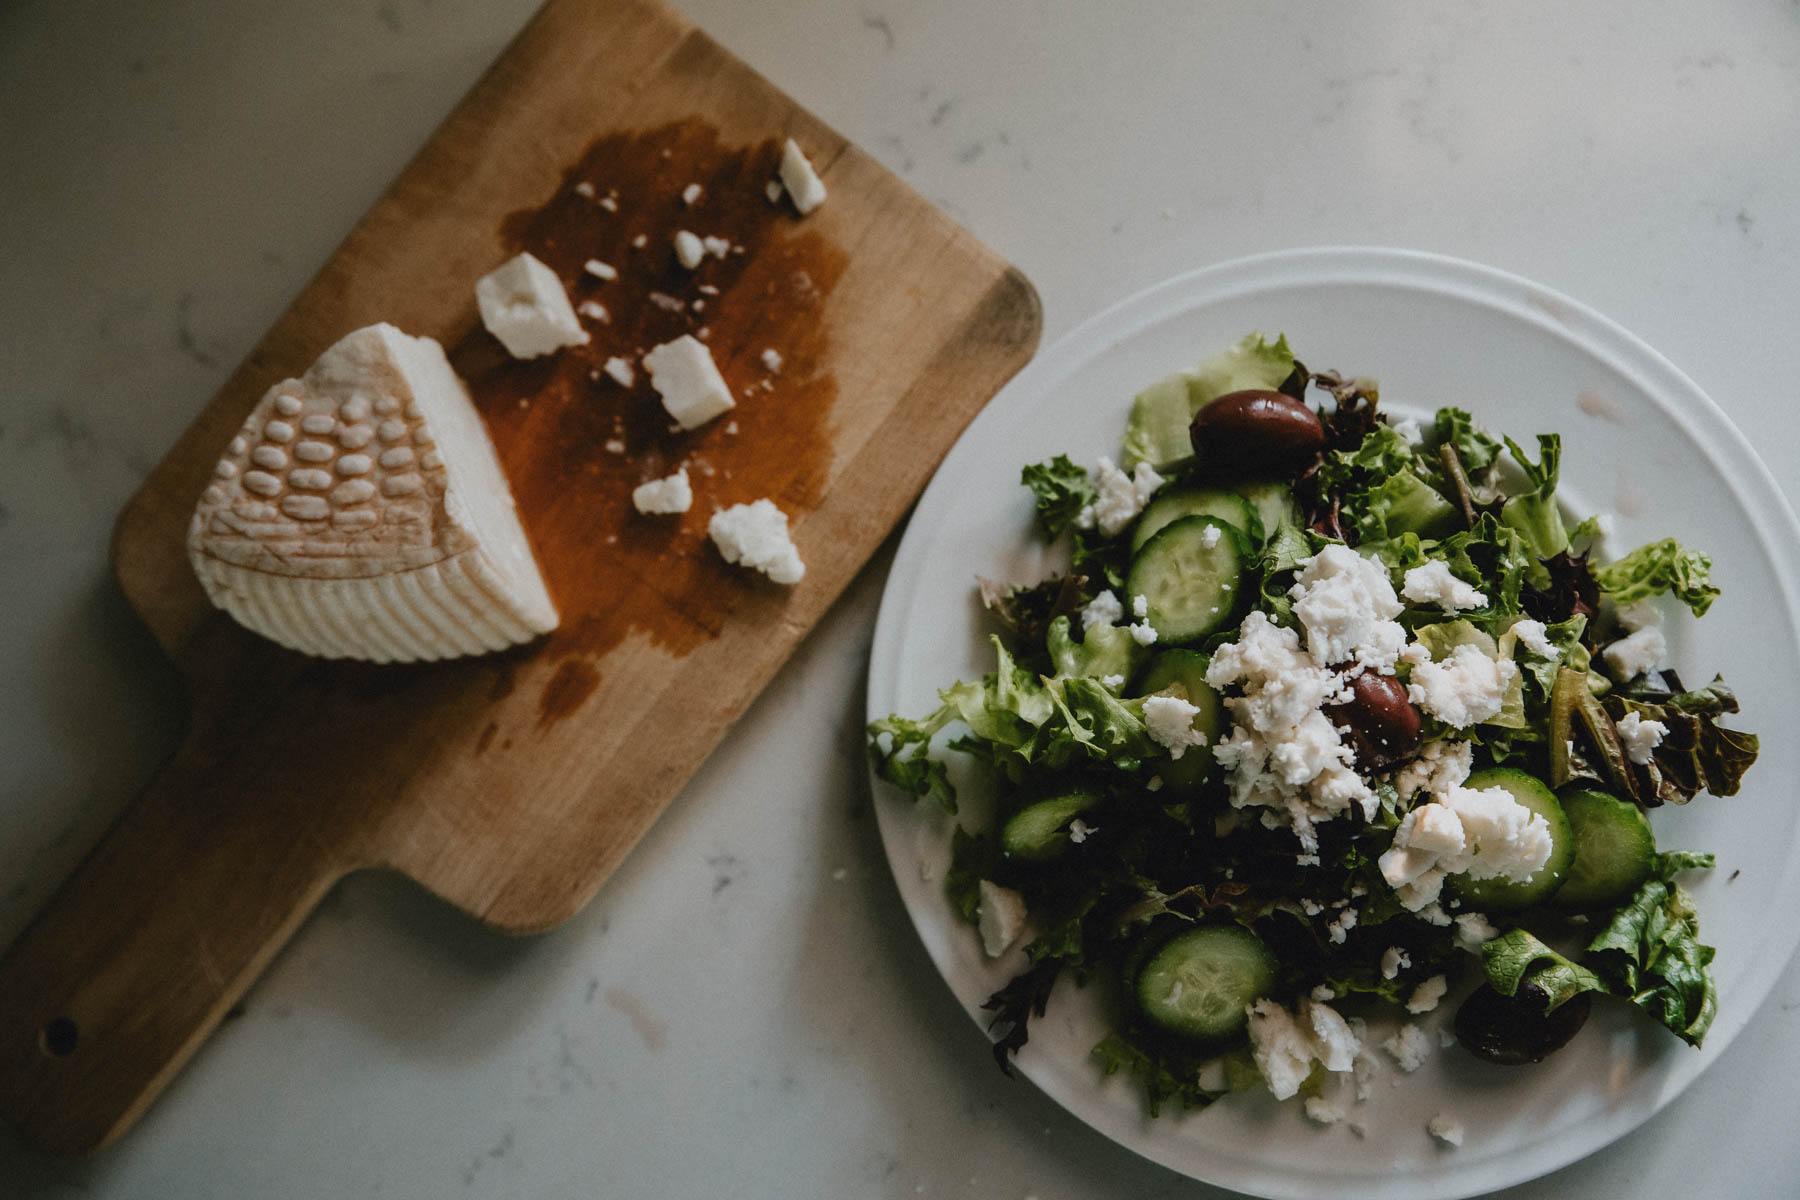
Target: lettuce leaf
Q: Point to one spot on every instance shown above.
(1157, 432)
(1455, 428)
(1659, 567)
(1533, 512)
(1061, 489)
(1649, 953)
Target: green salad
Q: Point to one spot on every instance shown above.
(1330, 717)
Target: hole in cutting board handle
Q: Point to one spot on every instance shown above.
(58, 1037)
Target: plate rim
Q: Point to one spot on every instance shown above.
(1698, 418)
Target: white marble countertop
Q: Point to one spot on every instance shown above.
(744, 1010)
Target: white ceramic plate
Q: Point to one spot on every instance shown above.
(1640, 441)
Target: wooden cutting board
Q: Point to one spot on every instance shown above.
(512, 785)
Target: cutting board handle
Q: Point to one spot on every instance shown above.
(146, 947)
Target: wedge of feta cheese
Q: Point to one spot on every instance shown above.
(684, 375)
(523, 303)
(756, 535)
(803, 184)
(361, 513)
(670, 494)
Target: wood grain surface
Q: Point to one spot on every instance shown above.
(512, 785)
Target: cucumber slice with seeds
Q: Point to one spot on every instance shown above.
(1614, 850)
(1190, 576)
(1198, 983)
(1229, 507)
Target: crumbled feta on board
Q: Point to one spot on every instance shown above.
(756, 535)
(803, 184)
(684, 375)
(361, 512)
(523, 304)
(670, 494)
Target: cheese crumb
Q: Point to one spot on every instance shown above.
(1640, 737)
(1432, 583)
(802, 182)
(523, 304)
(1439, 767)
(1101, 611)
(1170, 722)
(599, 270)
(1472, 929)
(1534, 637)
(1000, 917)
(1409, 1047)
(718, 247)
(690, 193)
(670, 494)
(1341, 925)
(771, 360)
(756, 535)
(1080, 831)
(640, 241)
(1446, 1129)
(688, 250)
(1143, 634)
(1393, 961)
(1425, 997)
(1638, 653)
(1285, 1044)
(1347, 606)
(1118, 497)
(1482, 832)
(1324, 1111)
(1466, 688)
(772, 190)
(585, 190)
(684, 375)
(593, 310)
(615, 446)
(1209, 537)
(620, 371)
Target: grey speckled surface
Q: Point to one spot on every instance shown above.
(744, 1010)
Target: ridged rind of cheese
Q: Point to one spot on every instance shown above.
(361, 512)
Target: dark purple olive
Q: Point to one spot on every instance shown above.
(1256, 432)
(1383, 724)
(1514, 1030)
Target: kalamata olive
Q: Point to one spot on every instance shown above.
(1514, 1030)
(1256, 432)
(1383, 724)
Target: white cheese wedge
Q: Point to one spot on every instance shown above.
(398, 543)
(523, 303)
(802, 182)
(684, 375)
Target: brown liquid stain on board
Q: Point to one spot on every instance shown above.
(611, 569)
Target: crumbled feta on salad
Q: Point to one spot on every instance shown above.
(1366, 708)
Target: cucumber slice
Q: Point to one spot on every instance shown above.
(1614, 850)
(1035, 833)
(1504, 895)
(1199, 982)
(1183, 673)
(1172, 505)
(1274, 503)
(1192, 587)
